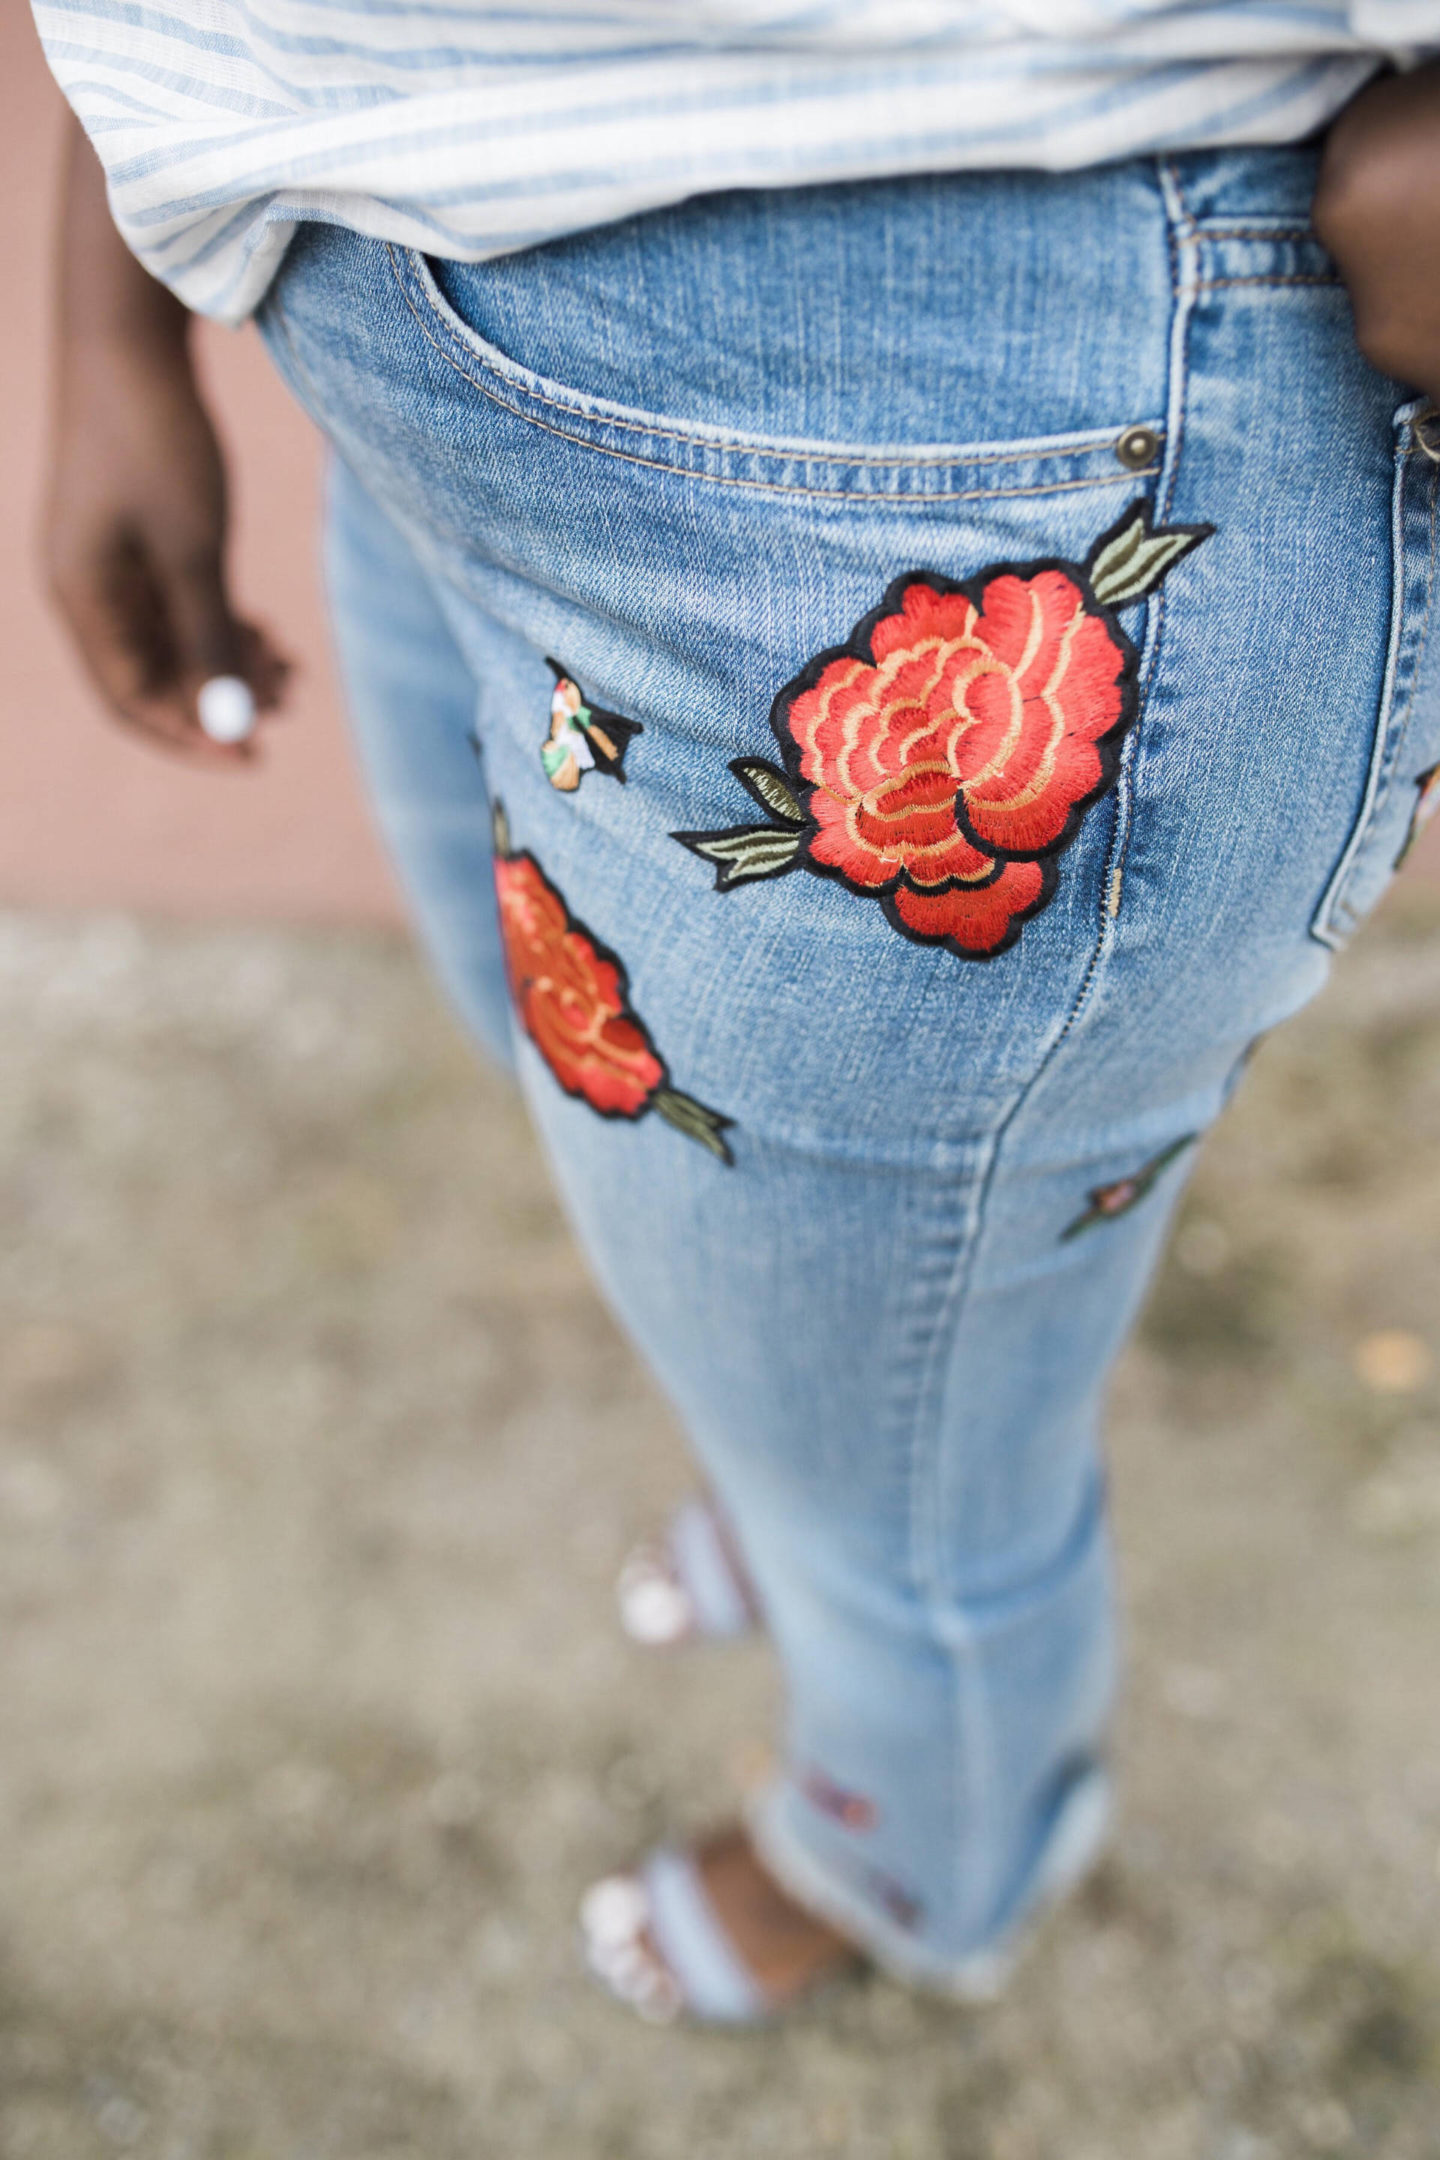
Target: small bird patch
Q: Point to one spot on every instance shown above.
(582, 738)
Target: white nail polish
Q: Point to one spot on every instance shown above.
(226, 706)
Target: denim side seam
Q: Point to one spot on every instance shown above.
(971, 1723)
(971, 1755)
(1409, 632)
(1223, 284)
(275, 336)
(1184, 285)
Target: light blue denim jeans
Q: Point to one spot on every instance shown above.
(827, 530)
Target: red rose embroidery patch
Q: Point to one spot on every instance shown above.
(1108, 1201)
(582, 737)
(942, 759)
(574, 1004)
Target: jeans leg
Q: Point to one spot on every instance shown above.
(877, 1213)
(893, 1378)
(412, 699)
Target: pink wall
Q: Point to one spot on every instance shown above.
(87, 817)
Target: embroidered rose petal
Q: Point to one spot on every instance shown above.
(1025, 770)
(570, 997)
(973, 920)
(972, 735)
(573, 1001)
(874, 837)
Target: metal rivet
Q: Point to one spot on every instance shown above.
(1426, 429)
(1137, 448)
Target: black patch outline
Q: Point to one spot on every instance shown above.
(1049, 880)
(720, 1124)
(623, 730)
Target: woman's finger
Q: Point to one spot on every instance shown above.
(210, 643)
(151, 641)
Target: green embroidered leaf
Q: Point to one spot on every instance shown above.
(770, 788)
(694, 1120)
(749, 851)
(1131, 559)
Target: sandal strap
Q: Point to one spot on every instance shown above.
(706, 1567)
(690, 1938)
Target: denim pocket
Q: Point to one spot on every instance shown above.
(885, 473)
(1406, 744)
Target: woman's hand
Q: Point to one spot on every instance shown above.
(1377, 210)
(135, 524)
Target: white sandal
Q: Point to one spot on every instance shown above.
(688, 1586)
(655, 1941)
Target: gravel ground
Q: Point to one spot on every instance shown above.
(314, 1721)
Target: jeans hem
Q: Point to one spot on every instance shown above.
(1076, 1841)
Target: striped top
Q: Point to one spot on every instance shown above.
(471, 128)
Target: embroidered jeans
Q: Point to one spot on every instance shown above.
(948, 660)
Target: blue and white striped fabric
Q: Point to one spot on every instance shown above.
(475, 127)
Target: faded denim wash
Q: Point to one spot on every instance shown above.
(681, 457)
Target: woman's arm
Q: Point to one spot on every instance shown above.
(135, 523)
(1377, 209)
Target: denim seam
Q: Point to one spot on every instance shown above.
(972, 1752)
(1422, 648)
(1279, 278)
(943, 1619)
(1183, 238)
(776, 487)
(1208, 231)
(1089, 439)
(1181, 232)
(1333, 922)
(272, 312)
(949, 1626)
(1184, 242)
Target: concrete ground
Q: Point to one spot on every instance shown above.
(317, 1456)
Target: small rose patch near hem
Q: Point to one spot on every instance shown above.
(944, 757)
(1108, 1201)
(573, 998)
(582, 737)
(904, 1908)
(852, 1810)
